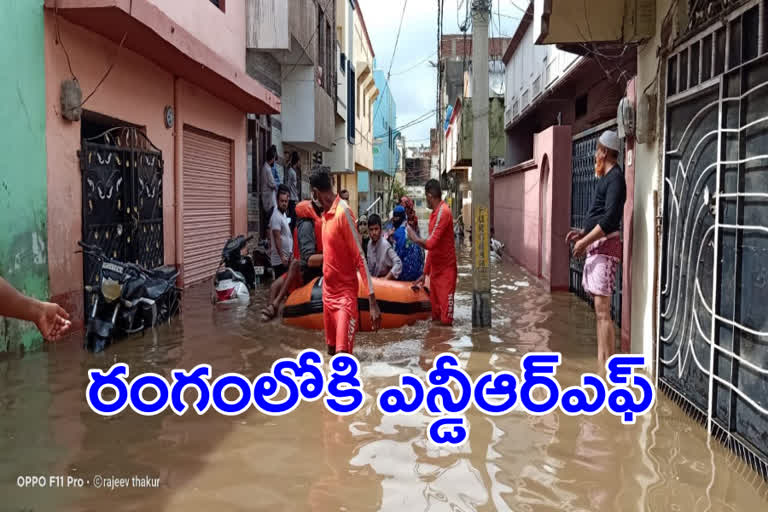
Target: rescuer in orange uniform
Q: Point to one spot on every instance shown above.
(440, 266)
(343, 260)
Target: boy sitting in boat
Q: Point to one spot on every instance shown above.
(383, 261)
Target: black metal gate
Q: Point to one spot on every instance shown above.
(583, 183)
(713, 313)
(122, 173)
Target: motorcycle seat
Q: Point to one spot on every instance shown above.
(156, 288)
(166, 272)
(229, 274)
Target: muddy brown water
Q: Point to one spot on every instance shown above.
(315, 461)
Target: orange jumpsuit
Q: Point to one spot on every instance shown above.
(342, 260)
(441, 264)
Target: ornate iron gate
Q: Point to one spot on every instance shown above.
(583, 183)
(122, 173)
(713, 319)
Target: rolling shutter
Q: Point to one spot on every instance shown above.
(207, 203)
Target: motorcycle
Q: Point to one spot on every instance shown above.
(236, 275)
(128, 299)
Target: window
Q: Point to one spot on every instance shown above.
(320, 60)
(220, 4)
(581, 106)
(351, 103)
(329, 54)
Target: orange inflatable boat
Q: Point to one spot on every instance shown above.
(400, 305)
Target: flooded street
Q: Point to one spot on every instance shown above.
(313, 460)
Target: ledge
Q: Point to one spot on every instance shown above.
(529, 165)
(152, 34)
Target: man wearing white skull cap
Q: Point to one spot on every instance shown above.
(600, 240)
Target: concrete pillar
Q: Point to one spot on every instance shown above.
(481, 278)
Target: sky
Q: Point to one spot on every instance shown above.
(413, 79)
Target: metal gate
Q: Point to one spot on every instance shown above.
(713, 319)
(122, 174)
(583, 183)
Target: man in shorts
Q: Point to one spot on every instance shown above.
(600, 239)
(440, 267)
(344, 267)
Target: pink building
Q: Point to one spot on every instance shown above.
(153, 166)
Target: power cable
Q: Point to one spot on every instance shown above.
(392, 60)
(423, 61)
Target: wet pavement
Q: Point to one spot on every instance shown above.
(313, 460)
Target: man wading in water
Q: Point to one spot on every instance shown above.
(600, 241)
(342, 261)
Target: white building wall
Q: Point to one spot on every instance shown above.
(531, 70)
(298, 114)
(647, 177)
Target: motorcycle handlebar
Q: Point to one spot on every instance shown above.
(90, 249)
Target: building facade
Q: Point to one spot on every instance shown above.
(385, 152)
(159, 140)
(293, 48)
(456, 130)
(365, 97)
(341, 160)
(557, 104)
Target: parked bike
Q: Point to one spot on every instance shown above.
(128, 299)
(236, 276)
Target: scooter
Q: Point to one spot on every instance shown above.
(236, 275)
(127, 299)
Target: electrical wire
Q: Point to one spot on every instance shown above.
(60, 40)
(423, 61)
(418, 120)
(392, 60)
(109, 70)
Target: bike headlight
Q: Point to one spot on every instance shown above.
(111, 289)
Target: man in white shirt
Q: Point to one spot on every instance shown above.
(268, 189)
(383, 261)
(281, 237)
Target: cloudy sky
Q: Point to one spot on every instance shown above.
(413, 80)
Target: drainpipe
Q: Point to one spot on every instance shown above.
(178, 184)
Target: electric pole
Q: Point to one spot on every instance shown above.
(481, 277)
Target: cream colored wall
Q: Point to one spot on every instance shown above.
(363, 122)
(647, 177)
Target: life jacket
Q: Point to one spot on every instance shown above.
(305, 210)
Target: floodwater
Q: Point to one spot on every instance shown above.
(315, 461)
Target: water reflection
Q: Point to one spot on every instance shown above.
(312, 460)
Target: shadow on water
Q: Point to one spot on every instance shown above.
(313, 460)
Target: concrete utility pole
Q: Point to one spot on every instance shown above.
(481, 277)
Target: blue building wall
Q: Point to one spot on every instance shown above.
(384, 126)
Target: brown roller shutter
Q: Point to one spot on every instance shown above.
(207, 203)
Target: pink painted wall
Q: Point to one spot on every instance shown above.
(516, 213)
(223, 32)
(136, 91)
(556, 143)
(518, 208)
